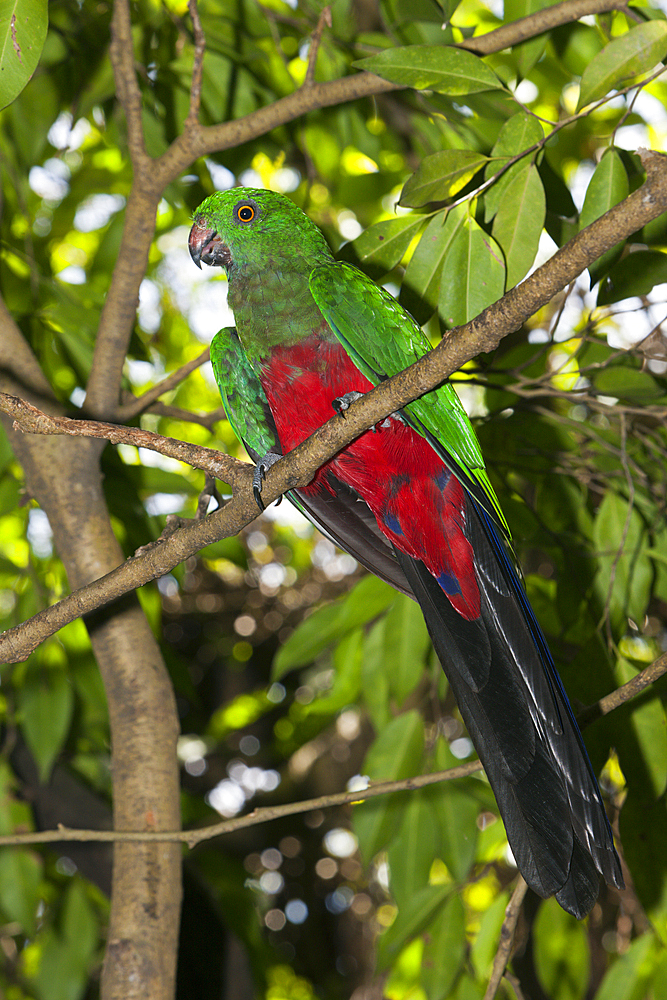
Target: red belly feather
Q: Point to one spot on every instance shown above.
(418, 504)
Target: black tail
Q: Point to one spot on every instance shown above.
(518, 716)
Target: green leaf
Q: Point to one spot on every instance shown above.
(631, 973)
(374, 679)
(607, 187)
(420, 289)
(636, 52)
(642, 826)
(366, 601)
(562, 952)
(20, 878)
(347, 675)
(78, 924)
(444, 949)
(636, 274)
(457, 807)
(384, 244)
(645, 730)
(518, 223)
(623, 581)
(519, 132)
(23, 26)
(440, 176)
(486, 943)
(406, 644)
(443, 69)
(396, 754)
(411, 853)
(473, 270)
(46, 702)
(60, 975)
(410, 921)
(628, 383)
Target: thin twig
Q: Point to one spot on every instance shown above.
(128, 411)
(263, 815)
(324, 21)
(192, 837)
(197, 65)
(506, 938)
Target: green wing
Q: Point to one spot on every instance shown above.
(382, 339)
(243, 399)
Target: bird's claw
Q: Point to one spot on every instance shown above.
(262, 467)
(343, 403)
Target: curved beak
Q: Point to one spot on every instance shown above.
(205, 245)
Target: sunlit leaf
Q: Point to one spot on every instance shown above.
(23, 26)
(633, 53)
(444, 949)
(473, 270)
(443, 69)
(518, 223)
(384, 244)
(440, 176)
(607, 187)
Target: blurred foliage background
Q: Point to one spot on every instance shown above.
(294, 673)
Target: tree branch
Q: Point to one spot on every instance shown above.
(30, 420)
(509, 35)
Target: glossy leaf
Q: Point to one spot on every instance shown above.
(457, 807)
(606, 188)
(519, 221)
(628, 384)
(23, 26)
(633, 53)
(20, 875)
(630, 975)
(407, 642)
(410, 921)
(440, 176)
(396, 754)
(384, 245)
(443, 69)
(370, 597)
(485, 944)
(646, 727)
(474, 270)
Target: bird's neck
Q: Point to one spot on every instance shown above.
(272, 308)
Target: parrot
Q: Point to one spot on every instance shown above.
(411, 500)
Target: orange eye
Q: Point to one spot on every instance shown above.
(246, 213)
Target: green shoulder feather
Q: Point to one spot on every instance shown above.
(383, 339)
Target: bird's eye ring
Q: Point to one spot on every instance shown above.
(245, 213)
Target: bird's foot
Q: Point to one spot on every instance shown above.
(342, 403)
(262, 467)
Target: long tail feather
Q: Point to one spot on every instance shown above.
(522, 726)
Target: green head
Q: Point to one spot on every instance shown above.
(249, 228)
